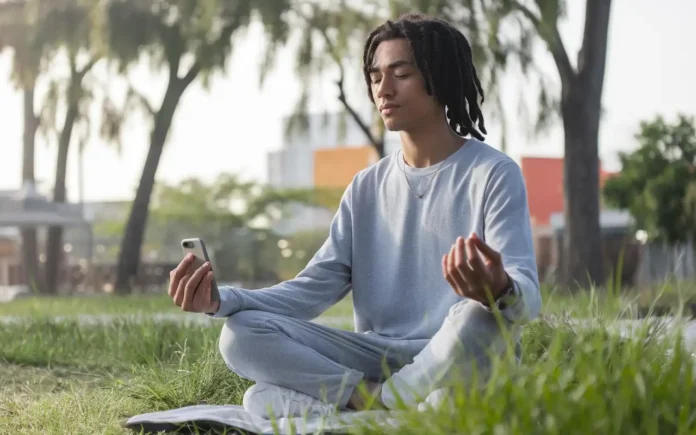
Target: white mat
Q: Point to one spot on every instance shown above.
(234, 419)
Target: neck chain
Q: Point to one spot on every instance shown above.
(432, 177)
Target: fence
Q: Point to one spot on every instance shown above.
(661, 261)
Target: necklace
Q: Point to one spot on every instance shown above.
(432, 177)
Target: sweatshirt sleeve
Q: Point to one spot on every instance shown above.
(508, 230)
(324, 281)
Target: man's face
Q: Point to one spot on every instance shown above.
(398, 87)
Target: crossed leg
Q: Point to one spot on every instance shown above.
(328, 364)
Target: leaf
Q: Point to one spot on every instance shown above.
(657, 178)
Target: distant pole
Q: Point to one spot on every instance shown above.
(81, 180)
(81, 200)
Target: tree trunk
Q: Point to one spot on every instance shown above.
(581, 110)
(54, 244)
(129, 255)
(30, 244)
(582, 241)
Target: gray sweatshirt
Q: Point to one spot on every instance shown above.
(386, 245)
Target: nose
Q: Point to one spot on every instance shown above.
(385, 88)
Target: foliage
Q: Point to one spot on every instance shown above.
(331, 38)
(43, 33)
(504, 35)
(500, 38)
(299, 248)
(225, 204)
(188, 38)
(231, 215)
(657, 183)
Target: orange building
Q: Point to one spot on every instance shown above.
(545, 195)
(544, 179)
(336, 167)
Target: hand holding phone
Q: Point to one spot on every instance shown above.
(192, 284)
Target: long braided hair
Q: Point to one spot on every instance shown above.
(444, 57)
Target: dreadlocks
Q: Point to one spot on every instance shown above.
(443, 56)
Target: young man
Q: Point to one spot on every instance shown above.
(422, 290)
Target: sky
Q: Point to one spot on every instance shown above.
(233, 124)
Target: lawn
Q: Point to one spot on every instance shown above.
(60, 376)
(116, 305)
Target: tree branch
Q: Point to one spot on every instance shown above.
(132, 92)
(171, 41)
(560, 56)
(379, 145)
(552, 37)
(191, 74)
(88, 66)
(592, 56)
(72, 60)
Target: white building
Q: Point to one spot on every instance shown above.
(26, 208)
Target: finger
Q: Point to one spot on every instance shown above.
(172, 284)
(459, 255)
(474, 260)
(464, 270)
(192, 285)
(445, 272)
(461, 287)
(492, 256)
(179, 295)
(202, 297)
(178, 273)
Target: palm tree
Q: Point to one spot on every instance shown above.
(191, 40)
(16, 33)
(65, 29)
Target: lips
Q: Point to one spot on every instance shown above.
(386, 109)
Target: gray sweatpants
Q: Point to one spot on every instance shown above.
(328, 363)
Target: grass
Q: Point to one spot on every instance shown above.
(118, 345)
(671, 298)
(44, 306)
(60, 376)
(571, 382)
(116, 305)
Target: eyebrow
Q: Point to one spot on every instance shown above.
(393, 65)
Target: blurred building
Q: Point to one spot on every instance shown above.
(544, 181)
(26, 208)
(9, 255)
(336, 167)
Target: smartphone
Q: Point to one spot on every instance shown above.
(200, 256)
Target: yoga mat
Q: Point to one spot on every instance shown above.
(235, 420)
